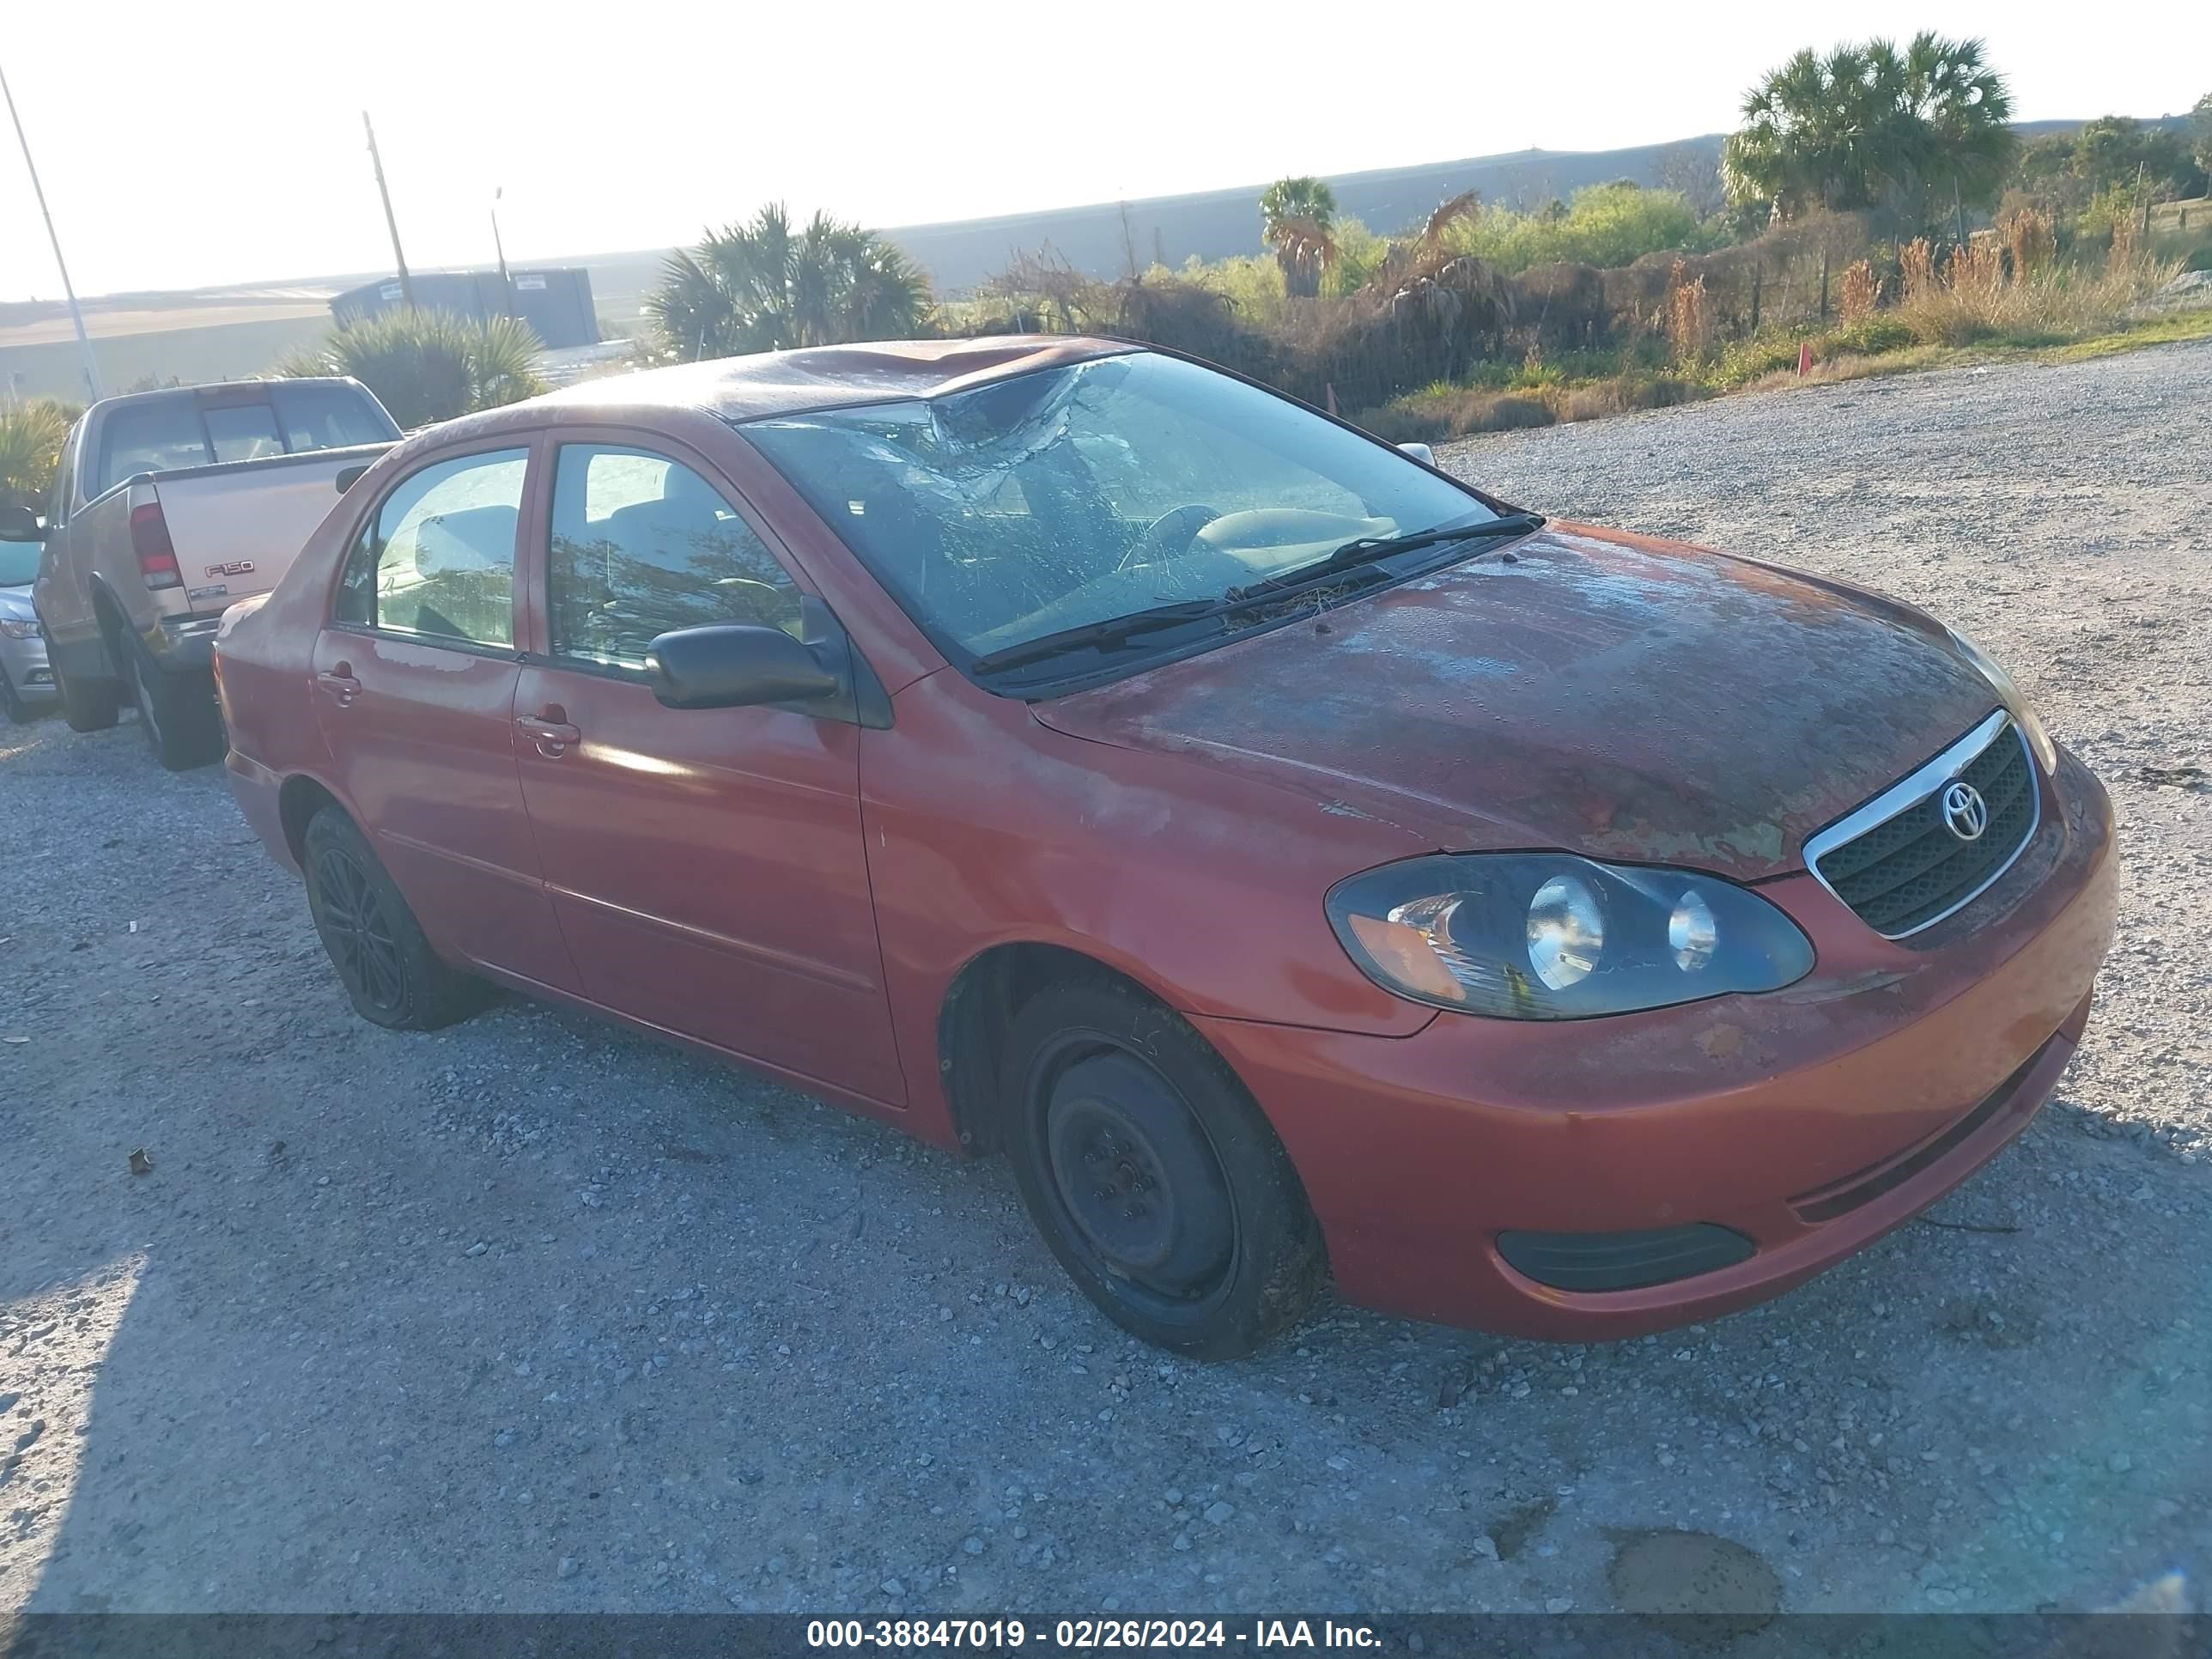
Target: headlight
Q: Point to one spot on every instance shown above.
(2009, 694)
(1550, 936)
(14, 630)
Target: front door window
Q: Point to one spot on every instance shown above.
(643, 545)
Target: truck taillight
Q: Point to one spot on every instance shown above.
(149, 540)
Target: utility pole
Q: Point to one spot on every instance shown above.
(506, 285)
(83, 340)
(406, 282)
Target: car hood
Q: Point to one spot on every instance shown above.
(15, 602)
(1582, 689)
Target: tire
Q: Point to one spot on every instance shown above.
(1197, 1236)
(177, 713)
(392, 976)
(19, 711)
(93, 707)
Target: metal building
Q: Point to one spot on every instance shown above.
(556, 303)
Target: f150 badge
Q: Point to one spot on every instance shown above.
(240, 567)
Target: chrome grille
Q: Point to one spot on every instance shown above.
(1896, 862)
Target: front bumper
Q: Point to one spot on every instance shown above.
(25, 663)
(1811, 1120)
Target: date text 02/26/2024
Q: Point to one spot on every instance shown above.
(1084, 1635)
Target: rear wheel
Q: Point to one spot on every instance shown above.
(388, 967)
(1153, 1175)
(176, 712)
(86, 707)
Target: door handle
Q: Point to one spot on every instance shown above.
(340, 683)
(553, 736)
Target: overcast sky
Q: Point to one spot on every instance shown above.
(200, 141)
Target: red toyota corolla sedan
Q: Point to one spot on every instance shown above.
(1298, 862)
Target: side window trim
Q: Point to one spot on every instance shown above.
(528, 445)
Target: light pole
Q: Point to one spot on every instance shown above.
(83, 340)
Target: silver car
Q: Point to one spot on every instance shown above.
(27, 682)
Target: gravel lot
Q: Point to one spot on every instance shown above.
(534, 1314)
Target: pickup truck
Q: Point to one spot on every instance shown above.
(169, 508)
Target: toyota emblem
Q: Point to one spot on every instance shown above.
(1965, 814)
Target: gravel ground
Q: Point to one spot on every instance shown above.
(534, 1314)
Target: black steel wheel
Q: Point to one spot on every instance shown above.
(391, 974)
(1152, 1174)
(357, 933)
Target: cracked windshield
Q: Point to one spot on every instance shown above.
(1071, 496)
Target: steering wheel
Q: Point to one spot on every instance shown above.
(1171, 533)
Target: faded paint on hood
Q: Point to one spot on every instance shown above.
(1596, 692)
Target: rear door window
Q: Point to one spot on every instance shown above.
(437, 560)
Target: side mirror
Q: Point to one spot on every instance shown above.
(734, 665)
(1421, 452)
(20, 524)
(348, 476)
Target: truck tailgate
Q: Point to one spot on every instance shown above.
(237, 528)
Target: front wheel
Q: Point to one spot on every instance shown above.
(392, 975)
(1152, 1174)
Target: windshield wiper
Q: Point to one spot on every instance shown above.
(1119, 630)
(1368, 550)
(1112, 630)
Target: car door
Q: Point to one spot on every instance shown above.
(708, 865)
(414, 687)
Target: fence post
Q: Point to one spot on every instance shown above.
(1824, 281)
(1758, 270)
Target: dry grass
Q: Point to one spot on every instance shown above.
(2030, 238)
(1860, 291)
(1689, 322)
(2049, 303)
(1446, 412)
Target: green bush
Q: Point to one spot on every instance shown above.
(428, 366)
(1881, 331)
(1607, 226)
(31, 435)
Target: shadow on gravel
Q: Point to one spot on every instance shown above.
(539, 1315)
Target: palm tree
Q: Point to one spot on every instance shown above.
(762, 287)
(426, 366)
(1295, 217)
(1869, 126)
(1960, 115)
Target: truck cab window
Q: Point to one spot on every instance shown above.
(243, 432)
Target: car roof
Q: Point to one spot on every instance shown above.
(820, 376)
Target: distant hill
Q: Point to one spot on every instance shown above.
(239, 330)
(1212, 224)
